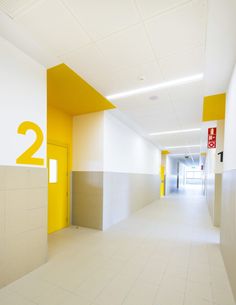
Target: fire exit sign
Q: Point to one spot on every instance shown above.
(211, 137)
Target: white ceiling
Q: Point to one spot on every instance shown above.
(189, 161)
(221, 45)
(113, 44)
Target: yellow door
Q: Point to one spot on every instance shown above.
(57, 187)
(162, 176)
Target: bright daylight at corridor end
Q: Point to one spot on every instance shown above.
(118, 152)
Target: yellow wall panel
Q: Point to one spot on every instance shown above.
(59, 129)
(214, 107)
(67, 91)
(162, 176)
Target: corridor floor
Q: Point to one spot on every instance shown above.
(165, 254)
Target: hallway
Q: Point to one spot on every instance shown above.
(164, 254)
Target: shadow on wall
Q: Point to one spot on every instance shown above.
(101, 199)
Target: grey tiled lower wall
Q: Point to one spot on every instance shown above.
(87, 199)
(218, 201)
(213, 195)
(228, 225)
(101, 199)
(126, 193)
(23, 221)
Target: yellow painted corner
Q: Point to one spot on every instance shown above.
(162, 176)
(67, 91)
(59, 129)
(59, 132)
(214, 107)
(165, 152)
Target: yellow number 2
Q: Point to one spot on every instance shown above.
(27, 156)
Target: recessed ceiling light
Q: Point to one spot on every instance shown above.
(153, 97)
(141, 77)
(184, 146)
(172, 83)
(174, 131)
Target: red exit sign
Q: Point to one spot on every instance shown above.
(211, 137)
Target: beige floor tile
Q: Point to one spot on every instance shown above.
(194, 300)
(165, 254)
(141, 294)
(14, 299)
(115, 292)
(75, 300)
(199, 290)
(168, 297)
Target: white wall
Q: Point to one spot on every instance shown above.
(220, 46)
(228, 210)
(23, 189)
(126, 151)
(101, 142)
(88, 142)
(22, 98)
(171, 175)
(230, 126)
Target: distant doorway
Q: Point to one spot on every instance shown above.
(57, 187)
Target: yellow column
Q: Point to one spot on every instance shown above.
(164, 153)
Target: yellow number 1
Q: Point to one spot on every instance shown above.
(27, 156)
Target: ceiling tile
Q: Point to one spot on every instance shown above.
(178, 139)
(15, 7)
(127, 48)
(150, 8)
(152, 124)
(185, 151)
(188, 101)
(103, 17)
(183, 64)
(142, 104)
(50, 23)
(91, 64)
(179, 29)
(135, 77)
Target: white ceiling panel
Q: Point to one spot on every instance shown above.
(191, 138)
(153, 123)
(149, 8)
(135, 77)
(90, 63)
(183, 64)
(118, 46)
(192, 92)
(15, 7)
(145, 101)
(186, 151)
(51, 24)
(188, 101)
(127, 48)
(179, 29)
(103, 17)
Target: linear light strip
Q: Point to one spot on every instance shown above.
(184, 154)
(173, 83)
(187, 146)
(174, 131)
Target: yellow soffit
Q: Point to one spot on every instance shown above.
(67, 91)
(165, 152)
(214, 107)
